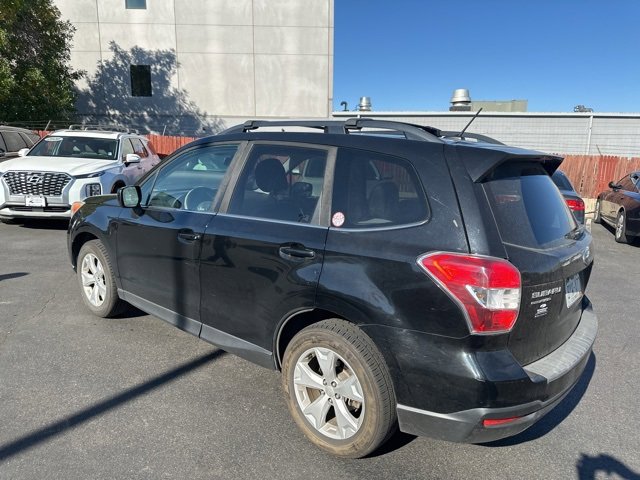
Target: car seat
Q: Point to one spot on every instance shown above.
(384, 200)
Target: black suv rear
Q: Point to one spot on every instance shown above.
(396, 276)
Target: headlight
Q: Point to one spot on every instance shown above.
(92, 189)
(91, 175)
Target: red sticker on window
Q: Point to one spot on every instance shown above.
(338, 219)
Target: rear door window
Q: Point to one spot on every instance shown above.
(528, 208)
(373, 190)
(30, 138)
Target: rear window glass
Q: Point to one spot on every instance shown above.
(561, 181)
(528, 208)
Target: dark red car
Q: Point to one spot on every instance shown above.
(620, 207)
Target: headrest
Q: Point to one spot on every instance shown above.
(271, 176)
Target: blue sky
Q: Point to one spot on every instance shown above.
(411, 54)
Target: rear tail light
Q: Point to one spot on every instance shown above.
(495, 422)
(486, 288)
(575, 205)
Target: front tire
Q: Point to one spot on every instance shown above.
(621, 228)
(597, 218)
(338, 389)
(96, 280)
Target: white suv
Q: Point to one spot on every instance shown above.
(68, 166)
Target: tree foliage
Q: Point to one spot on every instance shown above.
(36, 80)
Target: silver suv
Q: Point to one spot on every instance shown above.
(69, 166)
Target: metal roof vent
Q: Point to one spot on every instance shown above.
(365, 104)
(460, 100)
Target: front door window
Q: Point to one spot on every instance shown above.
(191, 181)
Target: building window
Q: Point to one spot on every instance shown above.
(140, 80)
(136, 4)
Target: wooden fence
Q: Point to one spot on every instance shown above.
(591, 174)
(165, 145)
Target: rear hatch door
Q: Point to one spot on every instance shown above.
(552, 251)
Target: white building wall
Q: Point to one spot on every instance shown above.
(231, 59)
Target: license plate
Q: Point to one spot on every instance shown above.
(573, 290)
(35, 201)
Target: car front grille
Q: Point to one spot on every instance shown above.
(36, 183)
(20, 208)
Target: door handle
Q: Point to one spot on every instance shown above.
(289, 252)
(188, 235)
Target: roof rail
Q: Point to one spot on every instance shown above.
(100, 127)
(410, 131)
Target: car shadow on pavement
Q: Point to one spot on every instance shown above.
(397, 441)
(43, 224)
(590, 468)
(70, 422)
(556, 415)
(9, 276)
(634, 241)
(130, 312)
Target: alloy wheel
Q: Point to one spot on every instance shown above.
(93, 280)
(329, 393)
(620, 226)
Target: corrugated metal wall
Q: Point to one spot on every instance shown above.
(570, 133)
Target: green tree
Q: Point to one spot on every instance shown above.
(36, 80)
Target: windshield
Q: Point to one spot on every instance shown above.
(81, 147)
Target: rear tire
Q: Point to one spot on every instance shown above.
(96, 280)
(338, 389)
(621, 228)
(7, 221)
(596, 215)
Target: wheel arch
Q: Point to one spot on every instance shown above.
(118, 183)
(293, 324)
(78, 242)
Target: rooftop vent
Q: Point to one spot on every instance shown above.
(460, 101)
(582, 109)
(365, 104)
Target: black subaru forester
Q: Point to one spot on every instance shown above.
(398, 277)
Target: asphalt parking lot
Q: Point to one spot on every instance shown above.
(83, 397)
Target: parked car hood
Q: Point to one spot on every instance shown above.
(71, 165)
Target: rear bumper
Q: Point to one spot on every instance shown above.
(547, 382)
(467, 427)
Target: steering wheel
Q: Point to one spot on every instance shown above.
(199, 199)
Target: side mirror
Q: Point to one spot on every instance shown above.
(131, 158)
(129, 197)
(23, 152)
(613, 185)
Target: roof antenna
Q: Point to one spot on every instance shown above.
(470, 122)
